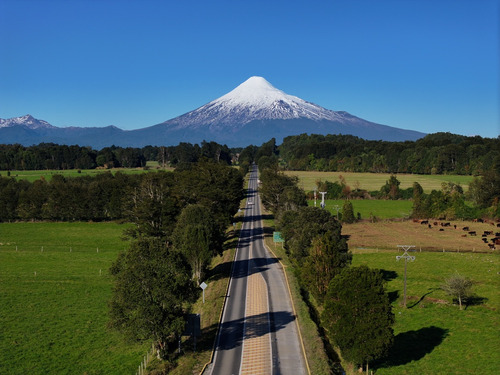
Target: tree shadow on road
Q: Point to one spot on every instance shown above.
(231, 332)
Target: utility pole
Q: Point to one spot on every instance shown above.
(406, 257)
(322, 198)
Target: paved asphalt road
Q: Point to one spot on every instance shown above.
(283, 348)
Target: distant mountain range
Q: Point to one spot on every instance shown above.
(252, 113)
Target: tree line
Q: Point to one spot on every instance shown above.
(439, 153)
(351, 303)
(108, 196)
(60, 157)
(179, 223)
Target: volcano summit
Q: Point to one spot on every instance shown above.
(252, 113)
(256, 111)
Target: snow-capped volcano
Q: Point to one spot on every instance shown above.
(252, 113)
(254, 99)
(256, 111)
(27, 121)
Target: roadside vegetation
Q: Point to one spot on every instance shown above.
(65, 284)
(377, 238)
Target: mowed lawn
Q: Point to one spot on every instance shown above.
(374, 181)
(432, 336)
(54, 293)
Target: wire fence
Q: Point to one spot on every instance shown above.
(145, 361)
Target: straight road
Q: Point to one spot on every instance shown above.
(259, 333)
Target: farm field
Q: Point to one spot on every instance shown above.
(47, 174)
(374, 181)
(53, 309)
(386, 235)
(382, 209)
(432, 336)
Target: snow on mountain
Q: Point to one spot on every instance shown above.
(252, 113)
(27, 121)
(254, 99)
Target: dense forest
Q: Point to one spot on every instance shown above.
(116, 196)
(59, 157)
(439, 153)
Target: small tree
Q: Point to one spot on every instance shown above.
(391, 188)
(458, 286)
(358, 316)
(348, 212)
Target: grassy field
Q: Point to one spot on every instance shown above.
(382, 209)
(47, 174)
(53, 309)
(432, 336)
(374, 181)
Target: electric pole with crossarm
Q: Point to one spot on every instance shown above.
(406, 257)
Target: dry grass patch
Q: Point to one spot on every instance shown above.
(386, 235)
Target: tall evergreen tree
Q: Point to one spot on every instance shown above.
(196, 237)
(357, 314)
(328, 255)
(151, 288)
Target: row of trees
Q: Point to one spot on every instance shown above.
(179, 221)
(54, 156)
(439, 153)
(108, 196)
(356, 309)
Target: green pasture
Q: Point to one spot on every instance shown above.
(382, 209)
(432, 336)
(48, 174)
(374, 181)
(54, 290)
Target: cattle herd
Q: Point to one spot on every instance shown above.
(489, 237)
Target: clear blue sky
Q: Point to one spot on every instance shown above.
(427, 65)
